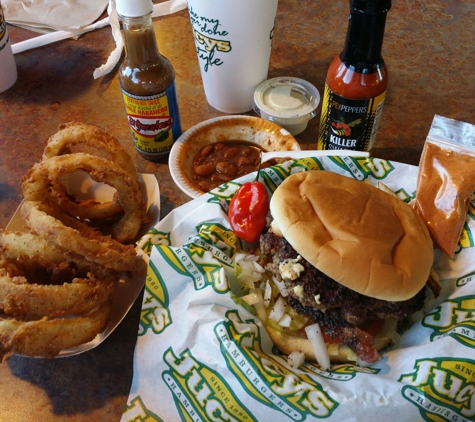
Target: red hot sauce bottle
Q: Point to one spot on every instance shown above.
(356, 82)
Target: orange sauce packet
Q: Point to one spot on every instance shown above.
(446, 179)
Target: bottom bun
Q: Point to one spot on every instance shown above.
(288, 341)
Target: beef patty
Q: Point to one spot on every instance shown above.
(337, 309)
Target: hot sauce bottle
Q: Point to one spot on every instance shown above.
(356, 82)
(147, 81)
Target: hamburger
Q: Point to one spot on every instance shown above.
(348, 256)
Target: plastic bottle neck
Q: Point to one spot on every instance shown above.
(139, 37)
(364, 42)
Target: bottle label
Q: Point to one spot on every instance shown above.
(154, 121)
(349, 124)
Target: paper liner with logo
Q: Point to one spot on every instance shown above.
(199, 354)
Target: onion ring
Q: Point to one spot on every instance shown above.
(18, 297)
(87, 286)
(30, 248)
(94, 247)
(79, 137)
(47, 337)
(58, 279)
(38, 182)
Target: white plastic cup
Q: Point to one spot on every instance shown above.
(8, 71)
(233, 40)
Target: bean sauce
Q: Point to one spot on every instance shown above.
(221, 162)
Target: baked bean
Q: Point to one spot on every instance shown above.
(207, 150)
(248, 151)
(243, 160)
(231, 152)
(255, 160)
(226, 167)
(204, 185)
(205, 169)
(219, 178)
(220, 162)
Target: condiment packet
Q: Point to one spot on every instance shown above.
(201, 356)
(446, 180)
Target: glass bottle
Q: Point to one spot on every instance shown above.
(356, 82)
(147, 81)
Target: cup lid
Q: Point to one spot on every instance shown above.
(286, 98)
(133, 8)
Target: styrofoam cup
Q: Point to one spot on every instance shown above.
(8, 70)
(233, 40)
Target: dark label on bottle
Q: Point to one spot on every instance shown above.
(349, 124)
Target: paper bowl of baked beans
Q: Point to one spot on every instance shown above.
(222, 149)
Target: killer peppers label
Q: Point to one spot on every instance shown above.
(349, 124)
(153, 121)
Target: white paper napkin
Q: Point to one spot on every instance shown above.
(75, 29)
(47, 15)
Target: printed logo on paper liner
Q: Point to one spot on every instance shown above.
(217, 239)
(265, 378)
(271, 177)
(153, 237)
(454, 318)
(466, 239)
(137, 412)
(155, 315)
(201, 394)
(462, 281)
(362, 167)
(205, 257)
(343, 372)
(443, 389)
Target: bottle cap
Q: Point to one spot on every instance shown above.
(290, 102)
(133, 8)
(371, 6)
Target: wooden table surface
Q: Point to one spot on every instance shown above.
(429, 50)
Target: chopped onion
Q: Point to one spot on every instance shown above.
(260, 308)
(251, 271)
(394, 336)
(285, 320)
(252, 298)
(281, 286)
(277, 310)
(267, 294)
(315, 336)
(296, 359)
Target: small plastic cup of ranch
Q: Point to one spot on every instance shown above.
(290, 102)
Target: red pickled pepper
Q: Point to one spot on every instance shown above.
(248, 209)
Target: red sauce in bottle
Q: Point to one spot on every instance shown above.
(356, 82)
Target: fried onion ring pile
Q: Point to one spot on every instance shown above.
(58, 279)
(78, 137)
